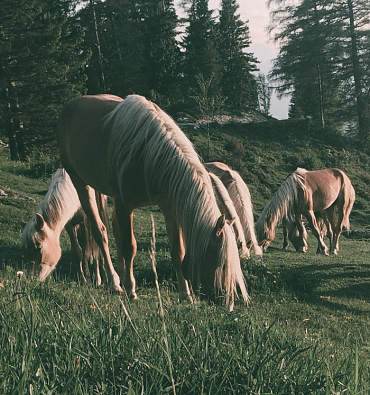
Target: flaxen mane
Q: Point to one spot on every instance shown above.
(169, 162)
(240, 195)
(282, 203)
(223, 198)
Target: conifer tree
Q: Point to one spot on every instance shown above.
(238, 84)
(201, 61)
(42, 69)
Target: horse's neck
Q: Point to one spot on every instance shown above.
(59, 206)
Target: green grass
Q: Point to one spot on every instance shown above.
(306, 330)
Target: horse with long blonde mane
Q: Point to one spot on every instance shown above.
(61, 208)
(132, 150)
(241, 199)
(304, 193)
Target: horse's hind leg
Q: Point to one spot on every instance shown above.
(177, 252)
(88, 203)
(285, 234)
(337, 225)
(122, 223)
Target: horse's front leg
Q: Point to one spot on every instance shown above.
(302, 233)
(76, 249)
(177, 249)
(122, 222)
(99, 230)
(321, 247)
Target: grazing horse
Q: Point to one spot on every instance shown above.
(132, 150)
(241, 198)
(290, 232)
(61, 208)
(304, 193)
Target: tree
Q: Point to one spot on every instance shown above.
(237, 81)
(201, 59)
(42, 69)
(264, 94)
(323, 59)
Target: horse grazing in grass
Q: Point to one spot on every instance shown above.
(291, 233)
(61, 208)
(304, 193)
(132, 150)
(241, 199)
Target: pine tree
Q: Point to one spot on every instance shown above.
(238, 83)
(42, 69)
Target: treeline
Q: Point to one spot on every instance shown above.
(198, 65)
(324, 61)
(54, 50)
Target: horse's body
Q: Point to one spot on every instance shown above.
(135, 152)
(241, 199)
(304, 193)
(61, 208)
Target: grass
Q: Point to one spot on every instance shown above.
(306, 330)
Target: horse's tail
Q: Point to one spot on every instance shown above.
(349, 199)
(92, 252)
(241, 198)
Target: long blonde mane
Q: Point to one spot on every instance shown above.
(145, 137)
(240, 195)
(57, 208)
(223, 198)
(282, 203)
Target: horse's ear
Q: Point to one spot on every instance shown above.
(220, 226)
(231, 222)
(40, 222)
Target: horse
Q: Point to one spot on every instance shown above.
(61, 208)
(304, 193)
(241, 198)
(132, 150)
(291, 233)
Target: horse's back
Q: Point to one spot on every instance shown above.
(83, 138)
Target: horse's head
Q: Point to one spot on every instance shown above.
(40, 248)
(221, 266)
(265, 231)
(298, 240)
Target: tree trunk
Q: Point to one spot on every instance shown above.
(100, 56)
(361, 106)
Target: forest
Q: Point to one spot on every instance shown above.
(196, 66)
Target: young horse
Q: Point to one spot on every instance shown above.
(60, 209)
(290, 232)
(135, 152)
(305, 192)
(241, 198)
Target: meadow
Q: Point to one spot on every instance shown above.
(306, 330)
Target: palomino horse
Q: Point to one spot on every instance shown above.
(61, 208)
(305, 192)
(291, 233)
(130, 149)
(241, 198)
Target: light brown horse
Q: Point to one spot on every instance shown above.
(303, 193)
(241, 199)
(135, 152)
(61, 208)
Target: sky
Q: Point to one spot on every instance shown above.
(257, 15)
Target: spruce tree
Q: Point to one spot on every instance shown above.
(201, 60)
(238, 84)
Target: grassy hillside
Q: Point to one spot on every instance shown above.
(306, 331)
